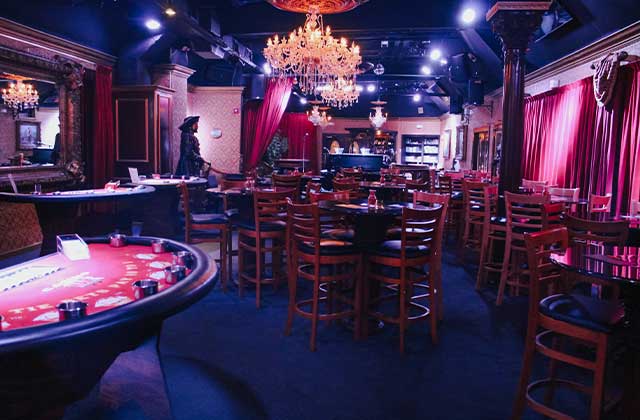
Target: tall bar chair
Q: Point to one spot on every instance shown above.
(290, 181)
(429, 199)
(347, 184)
(456, 208)
(560, 318)
(494, 231)
(535, 186)
(354, 173)
(268, 225)
(411, 187)
(400, 265)
(599, 203)
(329, 264)
(207, 227)
(524, 215)
(476, 214)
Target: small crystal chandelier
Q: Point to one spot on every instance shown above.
(341, 93)
(313, 56)
(318, 115)
(19, 97)
(378, 119)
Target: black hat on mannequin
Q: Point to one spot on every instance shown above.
(188, 122)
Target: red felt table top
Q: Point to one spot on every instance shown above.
(104, 282)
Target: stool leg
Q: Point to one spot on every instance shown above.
(434, 299)
(240, 266)
(505, 269)
(314, 311)
(483, 257)
(556, 344)
(223, 258)
(258, 278)
(357, 310)
(366, 295)
(230, 253)
(402, 290)
(598, 378)
(276, 260)
(525, 373)
(293, 287)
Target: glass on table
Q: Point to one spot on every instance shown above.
(37, 188)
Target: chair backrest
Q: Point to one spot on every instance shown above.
(226, 184)
(428, 199)
(303, 225)
(354, 173)
(535, 186)
(635, 208)
(341, 196)
(599, 203)
(313, 187)
(445, 185)
(564, 193)
(589, 231)
(270, 206)
(473, 198)
(543, 274)
(524, 211)
(398, 179)
(345, 185)
(288, 181)
(415, 186)
(421, 227)
(553, 215)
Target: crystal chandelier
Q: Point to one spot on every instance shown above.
(341, 93)
(312, 56)
(19, 97)
(377, 119)
(318, 116)
(325, 121)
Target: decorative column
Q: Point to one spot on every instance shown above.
(514, 23)
(174, 76)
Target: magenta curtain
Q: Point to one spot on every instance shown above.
(571, 142)
(261, 120)
(103, 150)
(301, 135)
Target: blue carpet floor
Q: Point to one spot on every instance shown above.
(224, 359)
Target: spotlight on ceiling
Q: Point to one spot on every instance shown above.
(169, 11)
(435, 54)
(417, 97)
(371, 88)
(152, 24)
(266, 68)
(303, 101)
(426, 70)
(359, 88)
(468, 16)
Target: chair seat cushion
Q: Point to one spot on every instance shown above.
(208, 218)
(265, 227)
(495, 220)
(339, 234)
(205, 234)
(392, 249)
(457, 195)
(584, 311)
(329, 247)
(396, 232)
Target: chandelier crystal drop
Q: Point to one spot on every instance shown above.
(312, 56)
(19, 97)
(378, 119)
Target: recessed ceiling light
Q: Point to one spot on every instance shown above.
(468, 16)
(371, 88)
(152, 24)
(169, 11)
(359, 88)
(425, 70)
(303, 101)
(417, 97)
(435, 54)
(266, 68)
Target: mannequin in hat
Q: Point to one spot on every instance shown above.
(190, 162)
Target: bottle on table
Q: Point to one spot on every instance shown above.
(372, 199)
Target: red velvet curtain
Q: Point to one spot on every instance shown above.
(572, 142)
(261, 120)
(103, 139)
(301, 135)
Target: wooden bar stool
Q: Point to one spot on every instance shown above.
(290, 181)
(400, 265)
(354, 173)
(207, 227)
(476, 213)
(494, 231)
(562, 318)
(333, 266)
(524, 215)
(599, 203)
(411, 187)
(456, 209)
(534, 186)
(429, 200)
(269, 224)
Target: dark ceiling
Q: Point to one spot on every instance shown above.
(399, 34)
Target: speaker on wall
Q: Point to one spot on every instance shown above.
(459, 69)
(476, 92)
(455, 104)
(257, 86)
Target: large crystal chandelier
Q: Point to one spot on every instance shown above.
(313, 57)
(378, 119)
(19, 97)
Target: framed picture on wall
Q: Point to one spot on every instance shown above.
(461, 142)
(27, 135)
(446, 144)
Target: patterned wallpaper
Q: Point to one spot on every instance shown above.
(219, 108)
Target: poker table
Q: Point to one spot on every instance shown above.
(161, 211)
(58, 210)
(47, 364)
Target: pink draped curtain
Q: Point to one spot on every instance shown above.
(261, 120)
(301, 135)
(103, 148)
(571, 142)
